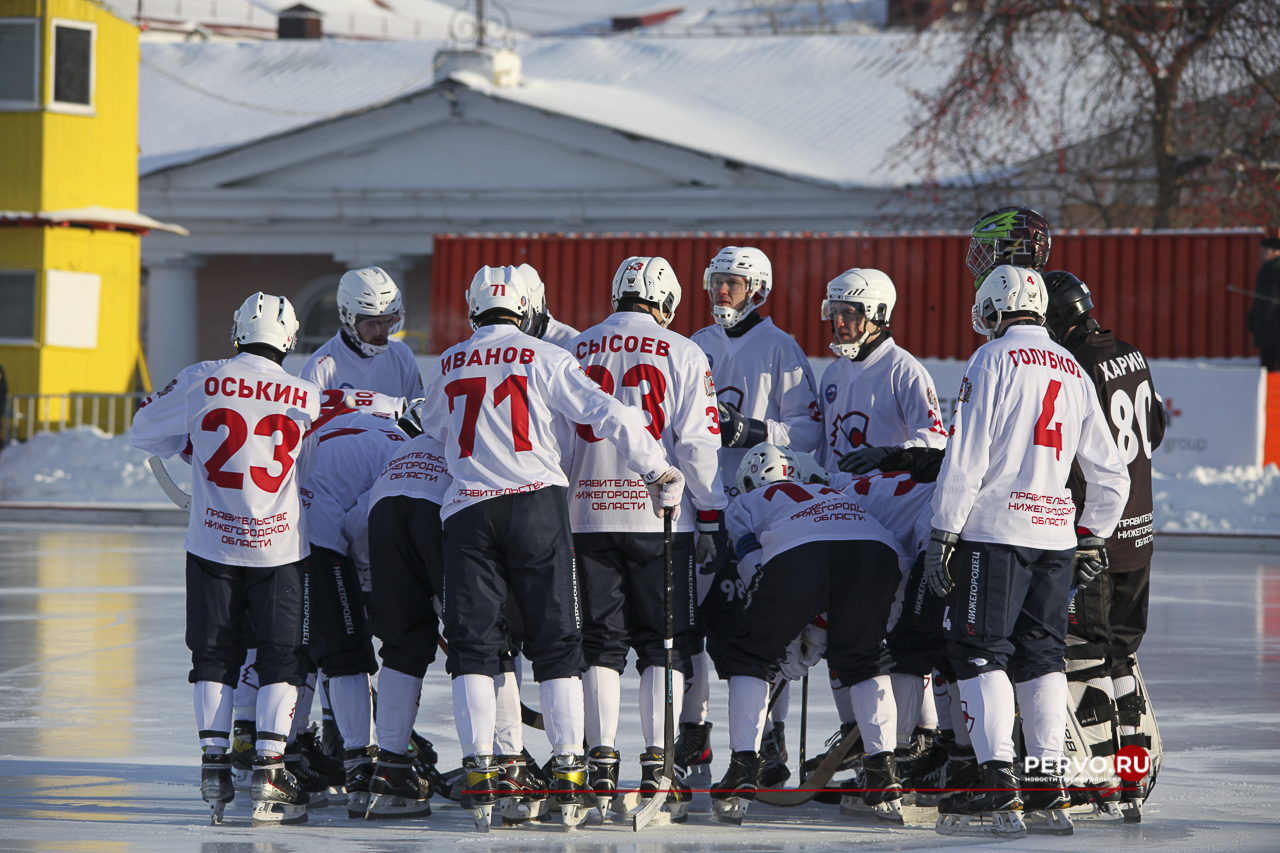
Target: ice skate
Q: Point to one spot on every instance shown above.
(277, 797)
(1132, 797)
(676, 807)
(773, 751)
(243, 750)
(852, 761)
(215, 784)
(1045, 804)
(958, 773)
(602, 775)
(481, 789)
(521, 796)
(1095, 806)
(573, 795)
(358, 764)
(879, 792)
(693, 754)
(732, 795)
(396, 790)
(332, 770)
(919, 766)
(992, 810)
(309, 777)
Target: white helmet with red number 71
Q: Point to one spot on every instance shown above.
(650, 280)
(265, 319)
(767, 463)
(499, 289)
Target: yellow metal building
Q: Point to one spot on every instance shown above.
(69, 226)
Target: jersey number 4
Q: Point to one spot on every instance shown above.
(237, 435)
(514, 388)
(1047, 436)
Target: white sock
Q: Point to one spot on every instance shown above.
(748, 699)
(988, 700)
(246, 698)
(214, 705)
(928, 710)
(302, 709)
(844, 702)
(352, 709)
(519, 670)
(474, 711)
(276, 703)
(398, 697)
(508, 726)
(563, 714)
(697, 691)
(876, 714)
(908, 693)
(602, 695)
(1043, 704)
(781, 707)
(942, 703)
(959, 722)
(653, 703)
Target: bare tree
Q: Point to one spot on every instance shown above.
(1156, 113)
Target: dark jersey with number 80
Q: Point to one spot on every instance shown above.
(1136, 417)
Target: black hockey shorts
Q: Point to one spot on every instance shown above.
(234, 608)
(406, 560)
(853, 582)
(334, 630)
(720, 613)
(1007, 610)
(1110, 615)
(917, 643)
(621, 580)
(517, 547)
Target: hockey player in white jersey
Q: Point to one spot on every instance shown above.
(765, 390)
(545, 327)
(814, 550)
(362, 354)
(617, 538)
(1002, 528)
(498, 404)
(242, 421)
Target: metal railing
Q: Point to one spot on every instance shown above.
(28, 414)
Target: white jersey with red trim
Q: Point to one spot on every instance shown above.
(243, 422)
(500, 403)
(661, 374)
(560, 334)
(1025, 409)
(419, 470)
(781, 516)
(888, 400)
(394, 372)
(902, 505)
(765, 375)
(352, 447)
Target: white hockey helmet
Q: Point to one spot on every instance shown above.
(500, 288)
(750, 263)
(1007, 289)
(265, 319)
(650, 279)
(368, 292)
(871, 292)
(767, 463)
(810, 470)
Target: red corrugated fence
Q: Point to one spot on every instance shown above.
(1165, 292)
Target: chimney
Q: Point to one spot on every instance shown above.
(299, 22)
(501, 67)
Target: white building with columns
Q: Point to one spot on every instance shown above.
(290, 162)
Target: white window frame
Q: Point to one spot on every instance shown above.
(32, 105)
(62, 106)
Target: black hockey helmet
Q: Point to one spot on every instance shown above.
(1069, 304)
(1012, 235)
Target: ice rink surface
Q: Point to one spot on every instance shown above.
(98, 749)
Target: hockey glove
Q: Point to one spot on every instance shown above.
(708, 527)
(941, 546)
(1091, 557)
(738, 430)
(864, 459)
(666, 491)
(813, 642)
(793, 668)
(922, 463)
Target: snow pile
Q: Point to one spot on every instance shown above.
(1206, 500)
(82, 465)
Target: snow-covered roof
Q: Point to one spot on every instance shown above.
(829, 109)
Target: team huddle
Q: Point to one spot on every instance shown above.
(561, 502)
